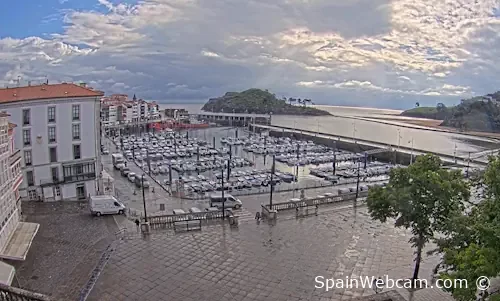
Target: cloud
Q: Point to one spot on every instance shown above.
(368, 51)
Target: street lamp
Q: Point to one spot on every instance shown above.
(354, 130)
(144, 199)
(455, 154)
(411, 153)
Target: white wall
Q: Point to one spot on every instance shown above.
(89, 137)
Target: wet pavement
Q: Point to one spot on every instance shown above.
(260, 261)
(66, 248)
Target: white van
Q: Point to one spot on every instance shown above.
(105, 204)
(230, 201)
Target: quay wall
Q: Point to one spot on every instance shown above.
(392, 155)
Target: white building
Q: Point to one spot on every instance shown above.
(15, 236)
(59, 137)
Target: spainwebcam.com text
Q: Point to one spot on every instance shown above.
(381, 283)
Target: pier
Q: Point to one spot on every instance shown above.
(233, 119)
(384, 152)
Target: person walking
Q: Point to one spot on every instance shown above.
(137, 222)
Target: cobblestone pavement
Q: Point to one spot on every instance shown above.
(260, 262)
(66, 248)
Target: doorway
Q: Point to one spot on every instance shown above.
(57, 193)
(80, 191)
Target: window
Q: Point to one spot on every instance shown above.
(76, 112)
(77, 152)
(76, 131)
(51, 114)
(53, 154)
(27, 137)
(26, 117)
(27, 158)
(55, 174)
(29, 178)
(52, 134)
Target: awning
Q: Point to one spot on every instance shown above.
(20, 241)
(6, 273)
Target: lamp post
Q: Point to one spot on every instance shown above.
(357, 185)
(144, 199)
(354, 130)
(272, 186)
(399, 144)
(223, 199)
(411, 153)
(455, 154)
(229, 162)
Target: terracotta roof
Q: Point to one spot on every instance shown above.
(4, 114)
(45, 92)
(12, 125)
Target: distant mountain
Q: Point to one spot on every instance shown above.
(258, 101)
(480, 113)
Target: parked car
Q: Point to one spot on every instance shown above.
(131, 176)
(124, 171)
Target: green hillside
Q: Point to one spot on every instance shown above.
(258, 101)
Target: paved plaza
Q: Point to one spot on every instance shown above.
(65, 250)
(261, 261)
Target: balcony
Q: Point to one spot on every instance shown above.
(83, 170)
(50, 182)
(15, 157)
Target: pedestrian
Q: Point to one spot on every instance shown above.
(137, 222)
(257, 216)
(153, 189)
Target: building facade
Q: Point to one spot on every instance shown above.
(119, 109)
(59, 138)
(10, 180)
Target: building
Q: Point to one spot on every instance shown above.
(59, 138)
(15, 236)
(118, 108)
(177, 114)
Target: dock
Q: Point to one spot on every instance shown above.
(381, 151)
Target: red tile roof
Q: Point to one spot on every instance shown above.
(44, 91)
(12, 125)
(4, 114)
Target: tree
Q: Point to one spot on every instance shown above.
(422, 198)
(417, 104)
(440, 107)
(471, 245)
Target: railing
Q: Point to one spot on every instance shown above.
(49, 182)
(80, 177)
(171, 218)
(317, 201)
(9, 293)
(15, 157)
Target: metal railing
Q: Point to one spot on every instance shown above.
(171, 218)
(317, 201)
(14, 157)
(10, 293)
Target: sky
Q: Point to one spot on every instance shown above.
(374, 53)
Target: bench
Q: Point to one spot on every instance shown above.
(189, 225)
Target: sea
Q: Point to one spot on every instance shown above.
(366, 124)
